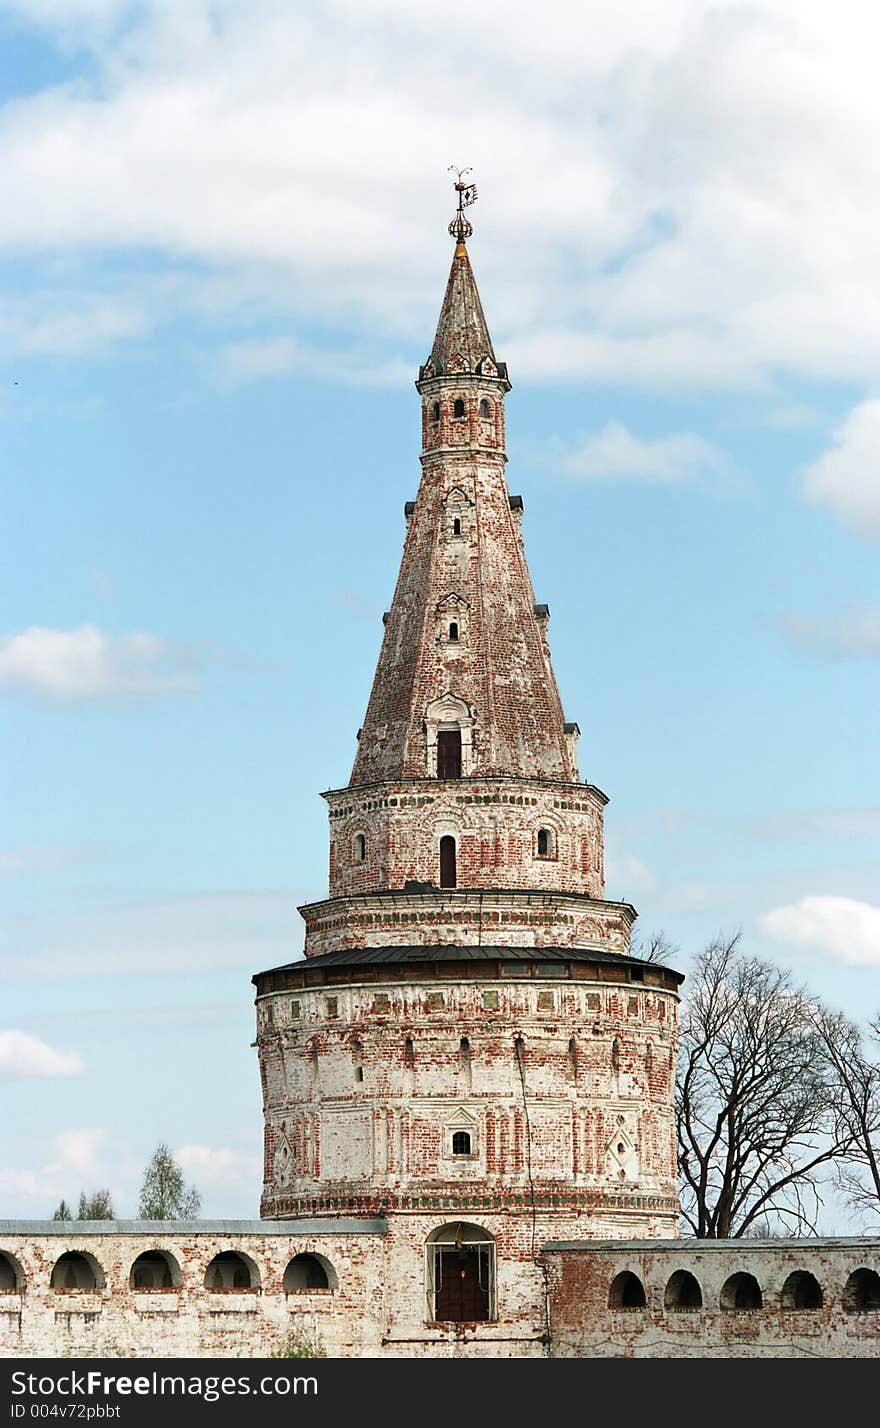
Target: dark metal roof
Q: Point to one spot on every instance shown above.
(75, 1229)
(427, 955)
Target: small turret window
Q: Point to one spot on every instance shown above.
(545, 845)
(447, 862)
(485, 410)
(458, 409)
(360, 848)
(435, 412)
(456, 526)
(453, 631)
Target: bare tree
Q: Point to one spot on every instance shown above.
(857, 1087)
(757, 1117)
(656, 948)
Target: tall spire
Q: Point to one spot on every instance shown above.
(462, 342)
(464, 641)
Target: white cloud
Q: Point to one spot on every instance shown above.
(614, 453)
(248, 931)
(278, 356)
(68, 666)
(78, 1153)
(842, 927)
(16, 862)
(846, 478)
(23, 1055)
(217, 1165)
(80, 1149)
(686, 193)
(851, 634)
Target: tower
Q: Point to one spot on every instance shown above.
(467, 1047)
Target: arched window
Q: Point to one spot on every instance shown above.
(231, 1270)
(485, 410)
(456, 525)
(461, 1143)
(741, 1291)
(409, 1053)
(453, 635)
(683, 1292)
(308, 1271)
(154, 1270)
(458, 409)
(11, 1277)
(626, 1292)
(448, 877)
(545, 843)
(460, 1274)
(76, 1271)
(862, 1291)
(449, 751)
(801, 1291)
(573, 1058)
(435, 412)
(357, 1062)
(360, 848)
(464, 1060)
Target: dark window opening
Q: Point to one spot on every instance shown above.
(627, 1292)
(8, 1275)
(359, 1073)
(464, 1060)
(462, 1283)
(230, 1270)
(409, 1055)
(461, 1143)
(484, 410)
(683, 1292)
(458, 409)
(862, 1292)
(447, 862)
(453, 633)
(801, 1291)
(456, 525)
(152, 1271)
(435, 412)
(360, 848)
(74, 1271)
(543, 843)
(449, 753)
(741, 1291)
(637, 974)
(308, 1271)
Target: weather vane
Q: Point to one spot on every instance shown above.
(460, 228)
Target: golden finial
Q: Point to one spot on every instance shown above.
(460, 228)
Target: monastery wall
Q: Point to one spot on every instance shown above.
(803, 1298)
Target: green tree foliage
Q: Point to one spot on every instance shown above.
(63, 1212)
(96, 1205)
(164, 1193)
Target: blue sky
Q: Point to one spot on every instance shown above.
(222, 252)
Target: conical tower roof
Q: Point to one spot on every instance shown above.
(462, 339)
(464, 640)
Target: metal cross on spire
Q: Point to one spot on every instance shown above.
(460, 228)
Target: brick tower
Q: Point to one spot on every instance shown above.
(467, 1048)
